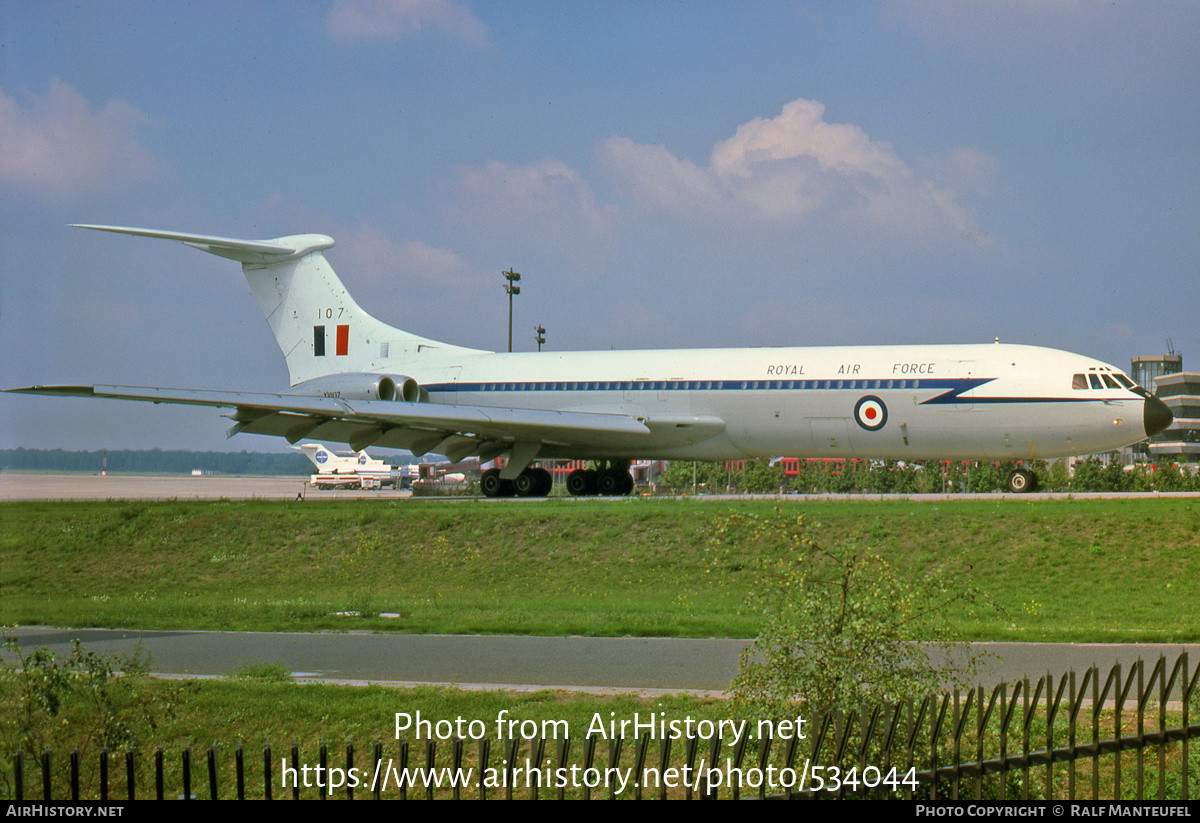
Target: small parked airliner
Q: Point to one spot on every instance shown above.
(352, 470)
(356, 380)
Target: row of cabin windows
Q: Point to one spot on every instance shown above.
(703, 385)
(1092, 380)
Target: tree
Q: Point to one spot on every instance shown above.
(760, 477)
(839, 624)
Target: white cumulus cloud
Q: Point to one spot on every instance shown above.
(381, 19)
(58, 142)
(788, 168)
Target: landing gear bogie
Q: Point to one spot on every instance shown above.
(610, 481)
(529, 483)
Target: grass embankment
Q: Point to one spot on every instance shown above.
(1058, 570)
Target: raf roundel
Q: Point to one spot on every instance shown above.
(870, 413)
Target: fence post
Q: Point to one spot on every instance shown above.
(639, 761)
(403, 770)
(739, 749)
(430, 757)
(764, 755)
(239, 765)
(187, 773)
(212, 772)
(537, 750)
(689, 759)
(322, 769)
(377, 758)
(296, 770)
(513, 749)
(104, 774)
(1187, 689)
(456, 756)
(589, 757)
(564, 746)
(1141, 729)
(158, 773)
(267, 771)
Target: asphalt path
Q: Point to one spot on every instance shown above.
(646, 666)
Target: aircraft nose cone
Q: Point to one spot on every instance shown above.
(1157, 416)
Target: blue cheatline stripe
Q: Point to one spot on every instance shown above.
(952, 394)
(953, 385)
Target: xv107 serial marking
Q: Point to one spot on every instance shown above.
(359, 381)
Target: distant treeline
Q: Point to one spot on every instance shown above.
(154, 461)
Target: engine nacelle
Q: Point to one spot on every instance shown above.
(362, 387)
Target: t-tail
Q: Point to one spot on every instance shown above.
(318, 326)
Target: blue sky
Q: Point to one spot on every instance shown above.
(662, 174)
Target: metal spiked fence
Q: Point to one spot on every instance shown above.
(1123, 735)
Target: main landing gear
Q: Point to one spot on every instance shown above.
(1021, 481)
(529, 483)
(610, 480)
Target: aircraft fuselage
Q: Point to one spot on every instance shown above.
(981, 402)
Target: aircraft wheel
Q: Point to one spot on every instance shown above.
(1022, 481)
(491, 484)
(627, 483)
(609, 483)
(577, 483)
(533, 483)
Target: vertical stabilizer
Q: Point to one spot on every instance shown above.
(317, 324)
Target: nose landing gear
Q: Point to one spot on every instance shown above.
(1021, 481)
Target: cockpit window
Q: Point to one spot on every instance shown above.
(1113, 380)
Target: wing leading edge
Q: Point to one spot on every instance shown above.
(455, 431)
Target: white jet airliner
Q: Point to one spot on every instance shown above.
(359, 381)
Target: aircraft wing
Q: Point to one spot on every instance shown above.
(455, 431)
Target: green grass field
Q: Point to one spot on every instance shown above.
(1099, 571)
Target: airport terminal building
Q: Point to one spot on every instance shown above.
(1163, 374)
(1181, 440)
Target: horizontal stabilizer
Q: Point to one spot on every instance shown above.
(245, 251)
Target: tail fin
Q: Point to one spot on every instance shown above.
(317, 324)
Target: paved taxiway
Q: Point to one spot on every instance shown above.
(591, 664)
(15, 486)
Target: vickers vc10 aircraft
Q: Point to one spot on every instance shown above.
(359, 381)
